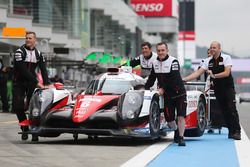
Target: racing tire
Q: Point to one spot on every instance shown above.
(201, 121)
(154, 118)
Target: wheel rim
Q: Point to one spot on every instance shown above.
(155, 119)
(201, 115)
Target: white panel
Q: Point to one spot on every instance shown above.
(164, 24)
(175, 8)
(3, 13)
(186, 50)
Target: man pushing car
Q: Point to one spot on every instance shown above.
(166, 70)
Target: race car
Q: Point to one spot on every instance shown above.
(51, 111)
(141, 111)
(115, 104)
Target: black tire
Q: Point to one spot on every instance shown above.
(154, 118)
(201, 121)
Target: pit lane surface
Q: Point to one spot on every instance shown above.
(209, 150)
(106, 151)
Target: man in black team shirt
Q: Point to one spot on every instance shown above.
(218, 66)
(26, 59)
(166, 70)
(145, 59)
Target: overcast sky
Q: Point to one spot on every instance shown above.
(226, 21)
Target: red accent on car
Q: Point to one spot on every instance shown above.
(142, 125)
(27, 122)
(98, 93)
(86, 105)
(60, 103)
(58, 85)
(191, 120)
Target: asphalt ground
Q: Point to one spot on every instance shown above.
(108, 151)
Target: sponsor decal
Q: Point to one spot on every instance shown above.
(186, 35)
(192, 104)
(192, 97)
(89, 99)
(141, 130)
(210, 65)
(84, 104)
(152, 7)
(147, 97)
(243, 80)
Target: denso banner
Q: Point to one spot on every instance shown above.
(154, 8)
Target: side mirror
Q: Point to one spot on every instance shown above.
(99, 93)
(58, 85)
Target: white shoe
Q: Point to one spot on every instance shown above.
(172, 125)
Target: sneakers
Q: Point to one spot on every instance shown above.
(34, 138)
(210, 131)
(24, 129)
(234, 135)
(172, 125)
(176, 136)
(181, 141)
(230, 134)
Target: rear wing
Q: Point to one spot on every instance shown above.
(195, 86)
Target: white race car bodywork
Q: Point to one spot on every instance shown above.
(196, 120)
(193, 98)
(148, 95)
(60, 94)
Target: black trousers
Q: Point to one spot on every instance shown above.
(21, 97)
(178, 104)
(227, 102)
(4, 98)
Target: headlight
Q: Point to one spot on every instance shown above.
(35, 112)
(40, 102)
(131, 105)
(130, 114)
(45, 99)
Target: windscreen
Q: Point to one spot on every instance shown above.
(112, 86)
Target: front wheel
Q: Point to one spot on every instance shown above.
(154, 118)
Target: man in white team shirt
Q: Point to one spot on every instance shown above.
(145, 59)
(218, 66)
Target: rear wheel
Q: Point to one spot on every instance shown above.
(201, 120)
(154, 118)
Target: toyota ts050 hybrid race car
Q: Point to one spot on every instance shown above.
(113, 104)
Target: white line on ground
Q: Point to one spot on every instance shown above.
(243, 148)
(8, 122)
(144, 157)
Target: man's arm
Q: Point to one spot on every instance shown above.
(194, 75)
(132, 63)
(223, 74)
(151, 79)
(42, 66)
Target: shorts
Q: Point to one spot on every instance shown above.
(178, 104)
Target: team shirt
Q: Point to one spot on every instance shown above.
(167, 72)
(146, 64)
(217, 66)
(25, 64)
